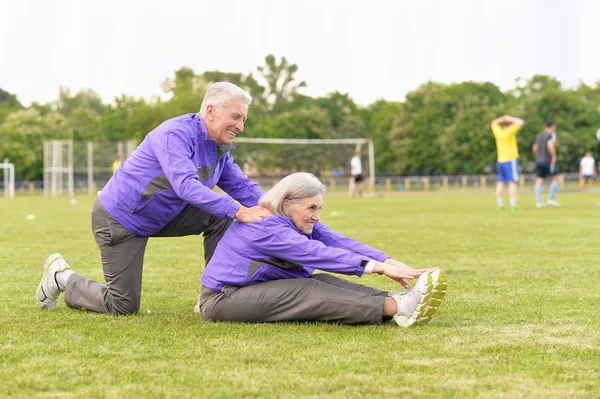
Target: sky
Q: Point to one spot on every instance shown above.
(369, 49)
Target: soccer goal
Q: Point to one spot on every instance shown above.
(9, 178)
(328, 159)
(71, 166)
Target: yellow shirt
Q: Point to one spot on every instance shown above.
(506, 141)
(115, 165)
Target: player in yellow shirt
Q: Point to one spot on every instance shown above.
(505, 131)
(118, 160)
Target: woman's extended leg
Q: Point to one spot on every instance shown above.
(302, 299)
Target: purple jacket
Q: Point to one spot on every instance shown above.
(274, 249)
(174, 166)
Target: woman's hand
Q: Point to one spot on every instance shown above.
(400, 272)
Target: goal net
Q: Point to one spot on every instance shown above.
(71, 166)
(268, 160)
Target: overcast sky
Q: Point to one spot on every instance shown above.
(369, 49)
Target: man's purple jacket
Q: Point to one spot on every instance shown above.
(176, 165)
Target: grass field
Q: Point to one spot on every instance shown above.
(521, 317)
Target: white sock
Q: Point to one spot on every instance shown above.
(513, 202)
(500, 201)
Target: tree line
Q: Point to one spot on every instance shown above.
(438, 128)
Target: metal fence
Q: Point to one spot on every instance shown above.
(387, 184)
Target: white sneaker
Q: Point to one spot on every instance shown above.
(553, 203)
(197, 307)
(48, 291)
(438, 293)
(540, 205)
(412, 303)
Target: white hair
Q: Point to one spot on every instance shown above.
(294, 187)
(220, 93)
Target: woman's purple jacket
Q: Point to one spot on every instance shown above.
(274, 249)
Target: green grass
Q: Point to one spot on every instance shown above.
(521, 317)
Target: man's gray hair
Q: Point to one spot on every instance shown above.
(220, 93)
(294, 187)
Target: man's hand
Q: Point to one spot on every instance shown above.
(247, 215)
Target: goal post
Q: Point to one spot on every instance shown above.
(335, 157)
(9, 178)
(71, 166)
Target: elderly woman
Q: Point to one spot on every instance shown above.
(263, 271)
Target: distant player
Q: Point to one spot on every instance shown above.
(544, 150)
(587, 170)
(505, 131)
(356, 172)
(118, 161)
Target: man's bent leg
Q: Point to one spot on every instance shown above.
(122, 261)
(194, 221)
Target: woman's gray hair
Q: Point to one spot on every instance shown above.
(220, 93)
(296, 186)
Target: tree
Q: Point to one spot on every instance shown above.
(575, 113)
(115, 118)
(8, 103)
(380, 117)
(22, 136)
(281, 88)
(85, 125)
(85, 98)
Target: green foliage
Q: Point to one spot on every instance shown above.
(438, 129)
(575, 113)
(22, 138)
(8, 103)
(281, 88)
(520, 319)
(380, 117)
(116, 116)
(84, 99)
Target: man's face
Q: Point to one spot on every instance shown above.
(224, 124)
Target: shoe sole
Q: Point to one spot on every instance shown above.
(50, 260)
(417, 313)
(438, 292)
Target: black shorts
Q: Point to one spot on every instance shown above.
(358, 178)
(543, 170)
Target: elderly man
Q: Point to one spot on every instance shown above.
(164, 189)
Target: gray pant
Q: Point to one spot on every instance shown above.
(322, 297)
(123, 259)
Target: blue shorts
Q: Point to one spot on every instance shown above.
(508, 171)
(587, 177)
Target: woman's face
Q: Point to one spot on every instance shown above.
(304, 213)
